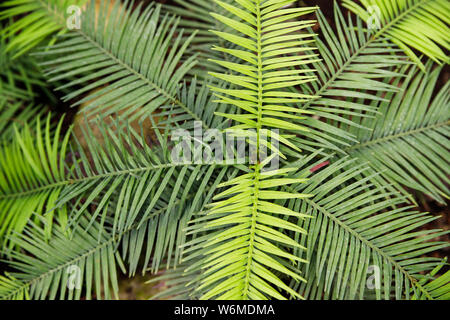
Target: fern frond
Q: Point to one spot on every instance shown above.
(241, 261)
(38, 20)
(31, 171)
(407, 142)
(141, 72)
(437, 287)
(414, 24)
(357, 225)
(351, 76)
(63, 267)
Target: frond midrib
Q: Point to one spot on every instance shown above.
(390, 259)
(254, 214)
(84, 179)
(169, 96)
(112, 240)
(396, 136)
(100, 176)
(356, 54)
(150, 83)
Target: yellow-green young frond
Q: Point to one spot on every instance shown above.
(245, 252)
(31, 168)
(246, 248)
(38, 20)
(414, 24)
(270, 41)
(13, 288)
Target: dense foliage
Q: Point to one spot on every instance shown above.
(353, 109)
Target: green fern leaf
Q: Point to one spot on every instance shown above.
(142, 71)
(400, 23)
(31, 171)
(406, 142)
(357, 225)
(351, 78)
(42, 19)
(239, 261)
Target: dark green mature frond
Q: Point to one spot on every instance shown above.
(351, 77)
(63, 267)
(133, 74)
(196, 19)
(357, 225)
(31, 172)
(97, 251)
(123, 169)
(201, 106)
(37, 20)
(241, 261)
(411, 24)
(408, 141)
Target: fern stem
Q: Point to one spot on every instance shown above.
(257, 169)
(151, 84)
(391, 260)
(95, 177)
(358, 52)
(397, 136)
(114, 239)
(61, 21)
